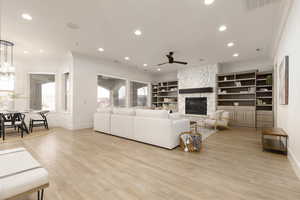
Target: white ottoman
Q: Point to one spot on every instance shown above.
(21, 174)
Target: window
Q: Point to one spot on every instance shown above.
(111, 92)
(48, 96)
(7, 86)
(143, 91)
(103, 97)
(42, 92)
(121, 96)
(139, 94)
(66, 90)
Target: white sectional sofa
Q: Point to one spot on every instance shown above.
(21, 174)
(154, 127)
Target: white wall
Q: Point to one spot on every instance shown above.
(85, 74)
(288, 115)
(57, 66)
(262, 64)
(166, 76)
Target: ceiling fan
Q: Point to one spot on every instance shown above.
(171, 60)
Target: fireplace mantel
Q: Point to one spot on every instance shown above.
(196, 90)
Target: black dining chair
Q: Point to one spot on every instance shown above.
(15, 121)
(38, 120)
(20, 124)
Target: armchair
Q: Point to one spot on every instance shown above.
(217, 119)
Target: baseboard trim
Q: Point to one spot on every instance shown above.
(82, 125)
(294, 162)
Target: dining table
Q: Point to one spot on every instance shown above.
(15, 119)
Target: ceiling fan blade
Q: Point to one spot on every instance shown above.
(180, 62)
(162, 63)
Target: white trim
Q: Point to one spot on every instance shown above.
(294, 162)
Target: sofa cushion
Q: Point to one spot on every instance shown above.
(164, 114)
(19, 173)
(124, 111)
(104, 110)
(175, 116)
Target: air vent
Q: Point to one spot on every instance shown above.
(73, 26)
(254, 4)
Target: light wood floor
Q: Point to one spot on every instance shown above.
(84, 165)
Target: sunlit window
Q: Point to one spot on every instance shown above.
(48, 96)
(111, 92)
(122, 92)
(103, 97)
(139, 94)
(143, 91)
(42, 92)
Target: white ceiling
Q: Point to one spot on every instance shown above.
(187, 27)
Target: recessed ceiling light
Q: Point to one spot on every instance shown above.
(42, 51)
(127, 58)
(100, 49)
(159, 69)
(236, 55)
(208, 2)
(222, 28)
(26, 16)
(138, 32)
(145, 65)
(26, 52)
(230, 44)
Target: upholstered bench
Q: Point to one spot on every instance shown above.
(21, 174)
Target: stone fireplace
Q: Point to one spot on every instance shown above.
(198, 77)
(196, 105)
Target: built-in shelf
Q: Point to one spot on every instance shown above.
(238, 93)
(170, 91)
(270, 97)
(227, 81)
(259, 103)
(245, 79)
(261, 79)
(264, 85)
(165, 96)
(236, 100)
(243, 86)
(264, 91)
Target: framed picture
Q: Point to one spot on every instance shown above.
(283, 74)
